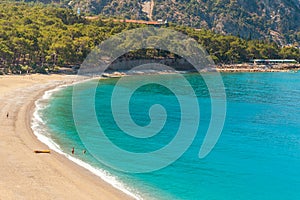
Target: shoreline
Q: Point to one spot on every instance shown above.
(36, 121)
(116, 70)
(39, 176)
(218, 69)
(233, 68)
(178, 66)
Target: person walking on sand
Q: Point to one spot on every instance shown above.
(7, 115)
(73, 150)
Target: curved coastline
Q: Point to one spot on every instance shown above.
(39, 176)
(36, 119)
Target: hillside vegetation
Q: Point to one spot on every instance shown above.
(38, 38)
(277, 20)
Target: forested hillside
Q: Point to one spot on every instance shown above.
(277, 20)
(39, 38)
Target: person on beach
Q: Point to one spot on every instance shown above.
(73, 150)
(7, 115)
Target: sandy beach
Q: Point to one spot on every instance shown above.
(26, 175)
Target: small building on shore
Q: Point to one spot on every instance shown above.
(273, 61)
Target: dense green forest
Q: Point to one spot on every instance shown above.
(39, 38)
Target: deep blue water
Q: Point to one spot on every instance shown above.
(256, 157)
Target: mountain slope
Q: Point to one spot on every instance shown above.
(277, 20)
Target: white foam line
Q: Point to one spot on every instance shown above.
(40, 133)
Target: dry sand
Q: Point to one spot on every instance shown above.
(26, 175)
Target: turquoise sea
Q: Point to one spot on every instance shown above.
(257, 156)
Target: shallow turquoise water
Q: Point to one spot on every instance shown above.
(256, 157)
